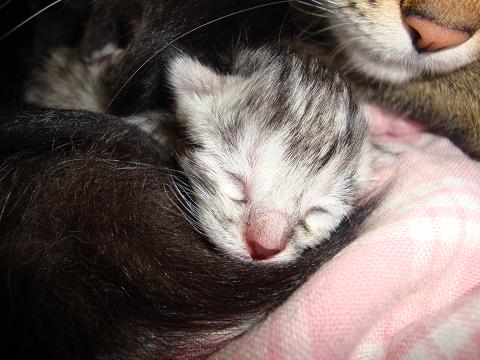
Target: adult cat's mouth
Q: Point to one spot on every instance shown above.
(410, 65)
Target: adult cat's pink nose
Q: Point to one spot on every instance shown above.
(266, 233)
(432, 37)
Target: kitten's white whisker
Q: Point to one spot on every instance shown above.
(195, 225)
(187, 190)
(186, 203)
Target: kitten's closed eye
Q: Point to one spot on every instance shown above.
(316, 210)
(239, 189)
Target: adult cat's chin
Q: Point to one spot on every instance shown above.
(390, 71)
(410, 66)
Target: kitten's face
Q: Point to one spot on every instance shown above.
(280, 155)
(380, 38)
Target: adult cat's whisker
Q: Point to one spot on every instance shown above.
(338, 49)
(315, 13)
(332, 8)
(316, 7)
(322, 7)
(29, 19)
(5, 4)
(328, 28)
(188, 204)
(333, 3)
(181, 37)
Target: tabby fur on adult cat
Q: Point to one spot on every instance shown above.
(417, 57)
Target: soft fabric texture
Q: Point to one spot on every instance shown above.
(409, 288)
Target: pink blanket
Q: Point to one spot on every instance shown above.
(409, 288)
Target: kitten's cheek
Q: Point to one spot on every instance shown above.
(314, 224)
(316, 228)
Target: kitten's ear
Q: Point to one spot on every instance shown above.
(188, 77)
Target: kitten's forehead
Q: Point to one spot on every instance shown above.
(277, 121)
(305, 119)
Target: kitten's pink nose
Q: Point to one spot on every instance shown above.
(267, 233)
(432, 37)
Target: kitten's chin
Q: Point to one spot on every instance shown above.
(287, 255)
(278, 259)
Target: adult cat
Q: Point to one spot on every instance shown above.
(418, 57)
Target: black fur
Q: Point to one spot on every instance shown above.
(98, 263)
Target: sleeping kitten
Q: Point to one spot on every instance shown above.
(280, 152)
(282, 142)
(100, 261)
(421, 58)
